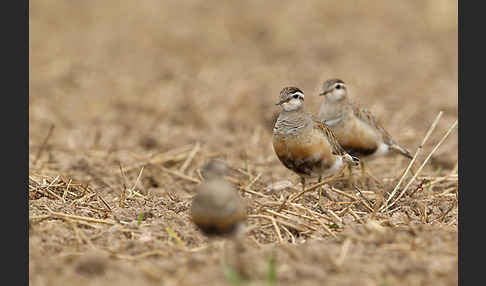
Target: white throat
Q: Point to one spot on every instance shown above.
(336, 95)
(293, 104)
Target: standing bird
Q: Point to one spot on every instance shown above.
(217, 209)
(303, 143)
(356, 129)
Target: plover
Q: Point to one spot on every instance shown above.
(217, 209)
(356, 129)
(303, 143)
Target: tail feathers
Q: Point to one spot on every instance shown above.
(400, 150)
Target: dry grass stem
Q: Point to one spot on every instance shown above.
(104, 202)
(326, 181)
(44, 144)
(305, 216)
(315, 216)
(325, 227)
(288, 224)
(441, 217)
(245, 189)
(160, 158)
(311, 212)
(292, 237)
(253, 181)
(356, 217)
(419, 149)
(76, 217)
(337, 220)
(423, 164)
(189, 159)
(359, 199)
(277, 230)
(179, 175)
(64, 194)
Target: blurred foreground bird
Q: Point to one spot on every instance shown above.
(217, 209)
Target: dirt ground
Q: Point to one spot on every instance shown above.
(129, 99)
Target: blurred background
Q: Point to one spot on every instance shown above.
(152, 75)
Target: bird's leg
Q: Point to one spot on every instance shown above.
(320, 189)
(350, 177)
(366, 173)
(302, 181)
(363, 174)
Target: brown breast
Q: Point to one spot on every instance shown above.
(304, 154)
(357, 138)
(217, 208)
(214, 226)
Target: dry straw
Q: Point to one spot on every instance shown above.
(387, 206)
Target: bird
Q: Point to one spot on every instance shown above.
(303, 143)
(357, 129)
(217, 209)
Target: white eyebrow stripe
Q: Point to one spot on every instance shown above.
(299, 93)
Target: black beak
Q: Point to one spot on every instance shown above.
(280, 102)
(323, 92)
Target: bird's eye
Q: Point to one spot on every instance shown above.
(295, 96)
(339, 86)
